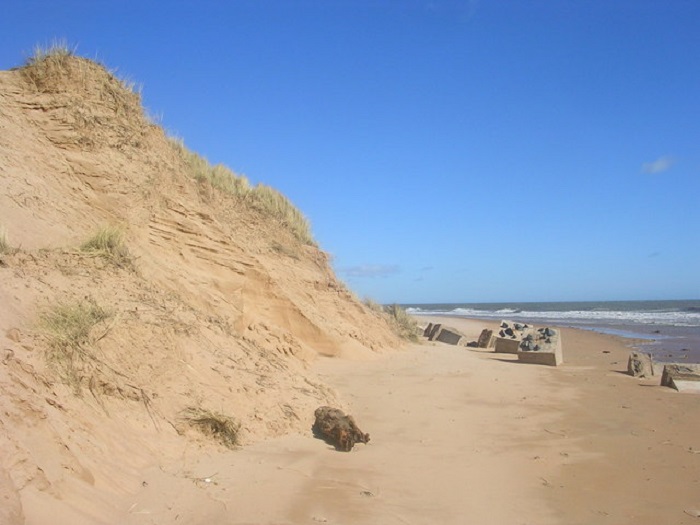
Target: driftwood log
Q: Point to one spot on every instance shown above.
(337, 429)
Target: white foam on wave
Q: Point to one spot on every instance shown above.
(688, 319)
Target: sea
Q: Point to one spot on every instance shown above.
(670, 330)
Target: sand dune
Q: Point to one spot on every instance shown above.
(218, 306)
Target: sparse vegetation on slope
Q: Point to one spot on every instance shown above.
(401, 323)
(108, 243)
(265, 199)
(222, 428)
(97, 107)
(50, 67)
(69, 327)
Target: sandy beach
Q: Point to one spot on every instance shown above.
(462, 435)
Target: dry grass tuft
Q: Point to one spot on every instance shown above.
(262, 198)
(102, 109)
(223, 428)
(401, 323)
(5, 247)
(108, 243)
(49, 66)
(272, 203)
(404, 325)
(69, 328)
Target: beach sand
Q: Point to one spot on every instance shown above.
(461, 435)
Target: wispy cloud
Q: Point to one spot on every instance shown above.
(659, 165)
(371, 270)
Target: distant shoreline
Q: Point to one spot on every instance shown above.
(668, 329)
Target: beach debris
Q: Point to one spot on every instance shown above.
(337, 429)
(695, 513)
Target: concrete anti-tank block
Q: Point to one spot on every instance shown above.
(541, 347)
(682, 377)
(450, 336)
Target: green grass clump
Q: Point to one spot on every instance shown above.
(223, 428)
(69, 329)
(262, 198)
(108, 242)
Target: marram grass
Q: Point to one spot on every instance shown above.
(108, 242)
(69, 327)
(262, 198)
(401, 323)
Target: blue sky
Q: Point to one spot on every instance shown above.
(444, 151)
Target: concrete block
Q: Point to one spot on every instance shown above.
(507, 340)
(450, 336)
(640, 364)
(506, 346)
(542, 346)
(434, 331)
(485, 338)
(682, 377)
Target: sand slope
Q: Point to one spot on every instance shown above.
(223, 309)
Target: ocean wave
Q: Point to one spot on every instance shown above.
(673, 318)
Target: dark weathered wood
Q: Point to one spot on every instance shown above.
(337, 429)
